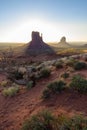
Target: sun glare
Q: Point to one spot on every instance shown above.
(21, 31)
(24, 30)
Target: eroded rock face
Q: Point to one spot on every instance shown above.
(36, 40)
(38, 46)
(36, 37)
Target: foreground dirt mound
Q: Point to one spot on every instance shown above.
(13, 111)
(38, 46)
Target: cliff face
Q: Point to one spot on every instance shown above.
(36, 40)
(36, 37)
(38, 46)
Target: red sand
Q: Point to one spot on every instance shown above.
(13, 111)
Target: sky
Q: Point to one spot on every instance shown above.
(52, 18)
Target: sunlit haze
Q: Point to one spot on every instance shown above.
(52, 18)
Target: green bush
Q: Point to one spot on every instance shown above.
(15, 75)
(46, 94)
(78, 122)
(46, 121)
(53, 87)
(70, 62)
(4, 83)
(80, 65)
(59, 65)
(29, 85)
(45, 73)
(38, 76)
(18, 75)
(65, 75)
(79, 84)
(56, 86)
(41, 121)
(63, 122)
(12, 91)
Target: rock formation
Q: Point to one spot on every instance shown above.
(63, 40)
(63, 43)
(37, 46)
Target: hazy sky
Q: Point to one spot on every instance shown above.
(53, 18)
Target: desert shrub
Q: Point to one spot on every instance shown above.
(78, 122)
(61, 61)
(44, 120)
(12, 91)
(4, 83)
(56, 86)
(45, 73)
(29, 85)
(18, 75)
(59, 65)
(39, 67)
(70, 62)
(34, 69)
(41, 121)
(38, 76)
(79, 83)
(45, 94)
(63, 122)
(80, 65)
(15, 75)
(65, 75)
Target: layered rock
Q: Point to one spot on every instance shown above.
(38, 46)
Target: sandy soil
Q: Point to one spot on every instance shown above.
(13, 111)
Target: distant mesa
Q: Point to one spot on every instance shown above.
(63, 43)
(37, 46)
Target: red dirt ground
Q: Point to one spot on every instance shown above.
(13, 111)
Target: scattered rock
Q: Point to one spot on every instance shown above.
(20, 82)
